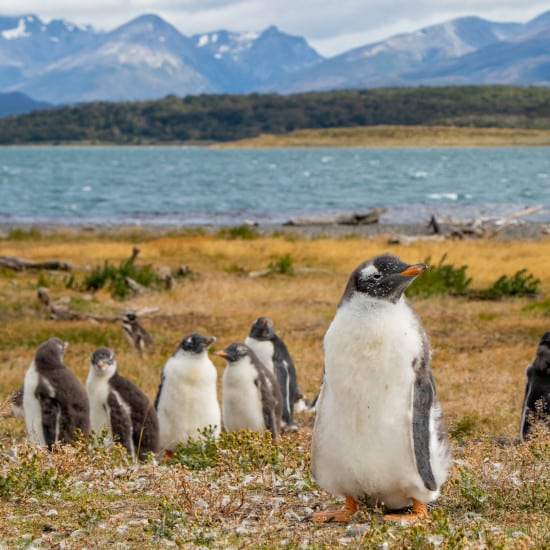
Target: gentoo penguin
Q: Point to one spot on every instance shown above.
(54, 401)
(118, 405)
(136, 335)
(536, 403)
(251, 396)
(378, 432)
(273, 353)
(187, 398)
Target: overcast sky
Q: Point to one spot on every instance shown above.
(330, 26)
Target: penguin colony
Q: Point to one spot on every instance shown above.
(378, 435)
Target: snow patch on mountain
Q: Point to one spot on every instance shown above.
(18, 32)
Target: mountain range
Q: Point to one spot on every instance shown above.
(60, 63)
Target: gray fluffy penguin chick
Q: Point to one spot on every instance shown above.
(536, 402)
(251, 398)
(55, 403)
(118, 405)
(273, 353)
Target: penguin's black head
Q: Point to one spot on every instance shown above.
(196, 343)
(130, 317)
(384, 276)
(102, 358)
(51, 351)
(542, 359)
(262, 329)
(234, 352)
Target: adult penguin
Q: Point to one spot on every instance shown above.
(187, 399)
(121, 407)
(536, 402)
(378, 432)
(273, 353)
(55, 403)
(251, 396)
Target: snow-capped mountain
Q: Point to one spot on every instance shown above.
(382, 63)
(145, 58)
(259, 58)
(148, 58)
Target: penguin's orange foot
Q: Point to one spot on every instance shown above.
(419, 511)
(337, 516)
(168, 455)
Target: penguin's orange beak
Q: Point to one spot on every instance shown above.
(414, 269)
(221, 353)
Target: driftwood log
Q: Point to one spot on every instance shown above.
(21, 264)
(357, 218)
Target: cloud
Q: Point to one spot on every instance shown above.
(330, 26)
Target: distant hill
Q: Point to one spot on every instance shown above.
(148, 58)
(17, 103)
(218, 118)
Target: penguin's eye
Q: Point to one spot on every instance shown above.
(377, 276)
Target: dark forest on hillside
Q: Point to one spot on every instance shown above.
(218, 118)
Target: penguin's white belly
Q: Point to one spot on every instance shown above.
(263, 350)
(363, 441)
(32, 408)
(188, 403)
(242, 402)
(98, 394)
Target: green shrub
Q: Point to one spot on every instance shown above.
(243, 231)
(145, 275)
(243, 450)
(29, 478)
(19, 234)
(283, 265)
(521, 283)
(440, 279)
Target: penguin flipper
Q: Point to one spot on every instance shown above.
(423, 400)
(283, 379)
(525, 423)
(121, 423)
(51, 412)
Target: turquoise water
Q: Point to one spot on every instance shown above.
(192, 185)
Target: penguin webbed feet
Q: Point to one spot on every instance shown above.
(343, 515)
(419, 511)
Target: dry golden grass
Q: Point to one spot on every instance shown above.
(480, 351)
(399, 136)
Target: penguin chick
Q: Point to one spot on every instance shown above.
(136, 335)
(118, 405)
(187, 399)
(55, 403)
(251, 395)
(273, 354)
(536, 402)
(378, 432)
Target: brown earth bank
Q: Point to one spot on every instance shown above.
(252, 494)
(400, 136)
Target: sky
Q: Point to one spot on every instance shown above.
(330, 26)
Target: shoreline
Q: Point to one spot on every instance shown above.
(517, 230)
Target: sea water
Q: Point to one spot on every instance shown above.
(198, 185)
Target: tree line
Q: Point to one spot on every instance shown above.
(225, 117)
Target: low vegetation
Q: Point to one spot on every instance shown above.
(222, 118)
(444, 278)
(240, 490)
